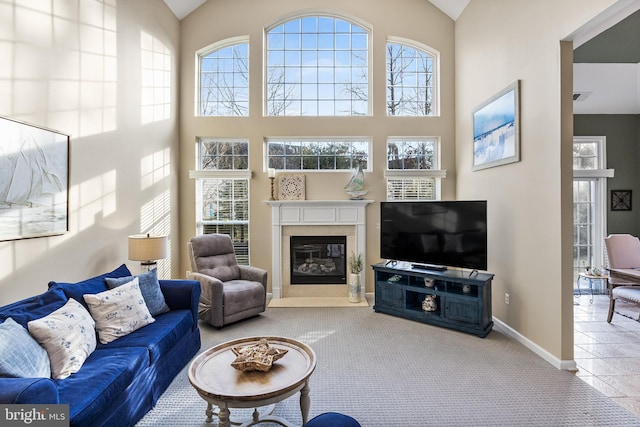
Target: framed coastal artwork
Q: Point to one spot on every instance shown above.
(34, 181)
(496, 129)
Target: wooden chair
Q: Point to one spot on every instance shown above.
(230, 292)
(623, 253)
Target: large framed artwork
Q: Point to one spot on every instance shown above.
(496, 129)
(34, 181)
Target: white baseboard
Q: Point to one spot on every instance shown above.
(563, 365)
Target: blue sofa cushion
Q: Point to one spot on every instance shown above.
(160, 336)
(105, 375)
(20, 355)
(93, 285)
(150, 288)
(28, 390)
(34, 307)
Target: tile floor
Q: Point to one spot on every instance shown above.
(608, 354)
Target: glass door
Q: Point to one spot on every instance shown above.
(589, 203)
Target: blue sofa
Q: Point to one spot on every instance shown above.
(122, 380)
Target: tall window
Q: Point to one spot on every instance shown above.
(589, 207)
(317, 154)
(410, 80)
(224, 80)
(222, 188)
(413, 169)
(317, 66)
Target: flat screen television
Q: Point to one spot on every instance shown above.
(435, 234)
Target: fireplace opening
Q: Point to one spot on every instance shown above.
(318, 260)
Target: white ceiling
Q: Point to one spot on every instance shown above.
(609, 88)
(182, 8)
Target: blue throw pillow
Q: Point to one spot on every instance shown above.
(93, 285)
(20, 355)
(150, 288)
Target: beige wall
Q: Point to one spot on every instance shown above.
(529, 202)
(76, 67)
(78, 71)
(216, 20)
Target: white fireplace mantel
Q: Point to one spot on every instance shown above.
(314, 213)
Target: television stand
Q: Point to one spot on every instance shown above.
(432, 267)
(462, 302)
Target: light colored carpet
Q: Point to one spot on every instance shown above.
(315, 302)
(387, 371)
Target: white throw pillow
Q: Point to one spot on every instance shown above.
(118, 311)
(68, 335)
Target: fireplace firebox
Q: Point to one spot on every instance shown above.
(318, 260)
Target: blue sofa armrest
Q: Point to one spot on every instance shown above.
(28, 390)
(182, 295)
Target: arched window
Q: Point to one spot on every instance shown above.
(411, 79)
(224, 79)
(317, 66)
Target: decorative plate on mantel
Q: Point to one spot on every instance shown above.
(291, 187)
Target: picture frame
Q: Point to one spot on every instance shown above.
(620, 200)
(291, 187)
(496, 129)
(34, 181)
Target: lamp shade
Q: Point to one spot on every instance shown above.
(145, 247)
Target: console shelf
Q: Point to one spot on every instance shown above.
(463, 302)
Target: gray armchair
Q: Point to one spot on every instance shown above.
(230, 292)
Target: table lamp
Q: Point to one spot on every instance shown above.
(147, 249)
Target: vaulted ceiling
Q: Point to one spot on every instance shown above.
(606, 70)
(182, 8)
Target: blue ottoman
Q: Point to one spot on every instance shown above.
(332, 419)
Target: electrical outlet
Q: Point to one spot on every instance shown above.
(506, 298)
(188, 273)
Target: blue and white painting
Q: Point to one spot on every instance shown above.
(33, 181)
(495, 130)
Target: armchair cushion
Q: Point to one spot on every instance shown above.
(215, 257)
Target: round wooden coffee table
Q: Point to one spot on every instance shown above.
(219, 384)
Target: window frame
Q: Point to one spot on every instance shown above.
(367, 29)
(200, 175)
(416, 174)
(221, 44)
(435, 54)
(367, 139)
(597, 178)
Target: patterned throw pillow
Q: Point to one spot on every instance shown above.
(119, 311)
(20, 355)
(68, 335)
(150, 288)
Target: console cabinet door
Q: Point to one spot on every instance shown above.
(390, 295)
(461, 310)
